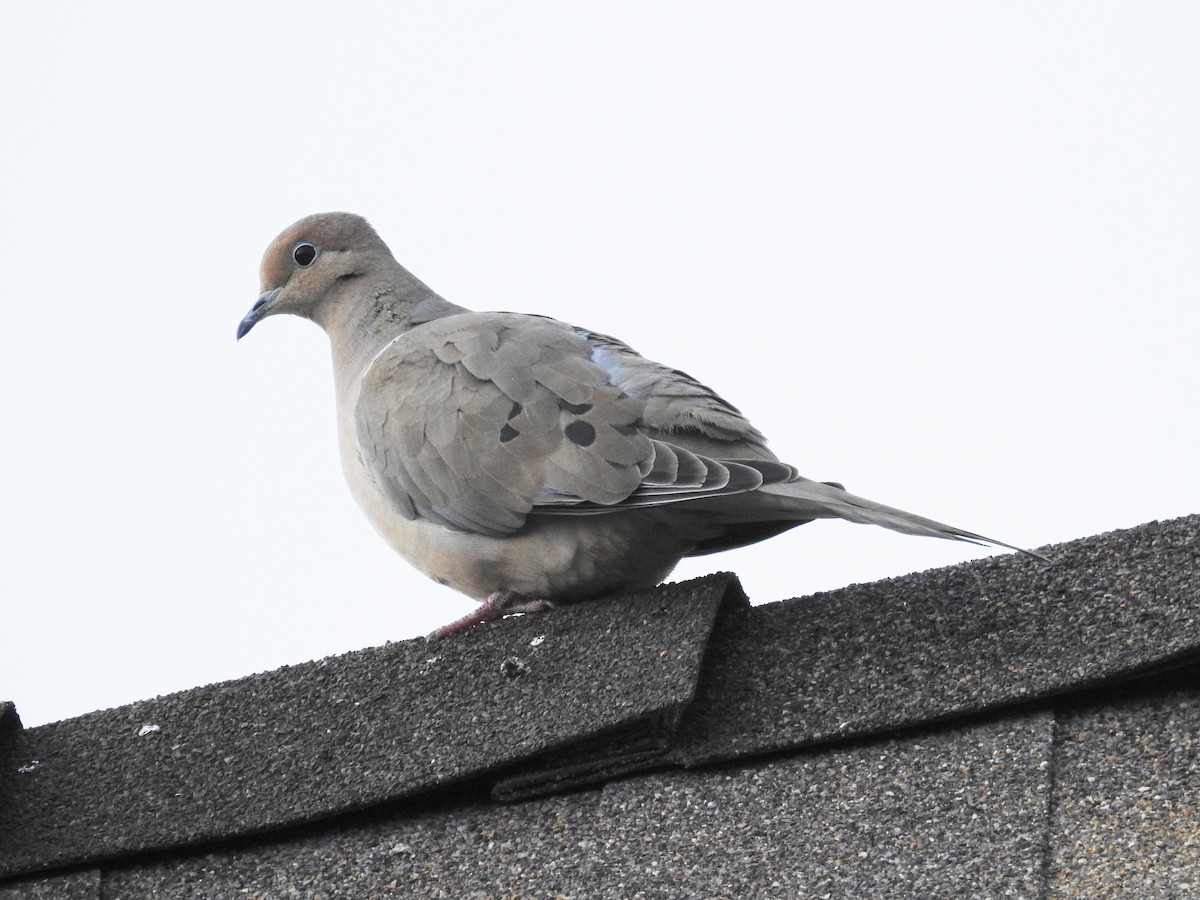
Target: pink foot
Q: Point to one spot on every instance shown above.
(496, 606)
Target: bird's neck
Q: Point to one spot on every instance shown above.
(365, 319)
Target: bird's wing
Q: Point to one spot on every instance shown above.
(476, 420)
(678, 407)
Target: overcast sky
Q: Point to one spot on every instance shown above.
(947, 254)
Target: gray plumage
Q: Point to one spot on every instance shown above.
(521, 459)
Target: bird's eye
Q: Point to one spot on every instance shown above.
(304, 254)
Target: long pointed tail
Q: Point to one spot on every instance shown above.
(819, 500)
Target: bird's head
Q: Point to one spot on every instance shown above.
(315, 265)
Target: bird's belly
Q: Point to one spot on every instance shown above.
(555, 558)
(560, 558)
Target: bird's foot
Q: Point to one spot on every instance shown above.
(496, 606)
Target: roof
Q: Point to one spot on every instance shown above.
(997, 728)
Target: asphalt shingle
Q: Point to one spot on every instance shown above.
(893, 818)
(1126, 819)
(873, 658)
(349, 732)
(84, 885)
(997, 729)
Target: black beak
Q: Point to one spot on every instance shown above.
(256, 313)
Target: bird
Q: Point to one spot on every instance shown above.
(524, 461)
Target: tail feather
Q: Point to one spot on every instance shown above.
(806, 499)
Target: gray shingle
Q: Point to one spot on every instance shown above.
(83, 885)
(963, 808)
(872, 658)
(1127, 796)
(884, 740)
(349, 732)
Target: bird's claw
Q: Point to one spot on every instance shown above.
(496, 606)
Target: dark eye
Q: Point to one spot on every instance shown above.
(304, 254)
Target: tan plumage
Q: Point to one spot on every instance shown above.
(521, 459)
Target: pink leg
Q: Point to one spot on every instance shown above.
(496, 606)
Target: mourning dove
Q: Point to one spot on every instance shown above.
(521, 460)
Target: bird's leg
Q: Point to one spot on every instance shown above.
(496, 606)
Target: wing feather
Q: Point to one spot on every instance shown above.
(478, 420)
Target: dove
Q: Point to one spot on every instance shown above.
(523, 461)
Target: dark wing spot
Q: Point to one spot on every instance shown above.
(577, 409)
(507, 433)
(580, 433)
(515, 411)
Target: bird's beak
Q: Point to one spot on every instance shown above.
(257, 311)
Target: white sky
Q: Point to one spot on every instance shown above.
(947, 254)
